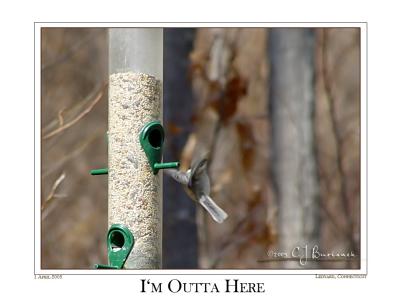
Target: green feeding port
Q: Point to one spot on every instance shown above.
(120, 242)
(152, 140)
(117, 240)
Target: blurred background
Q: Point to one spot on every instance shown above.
(278, 110)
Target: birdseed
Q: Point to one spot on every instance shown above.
(134, 192)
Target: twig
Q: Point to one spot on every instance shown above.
(51, 195)
(72, 111)
(60, 117)
(79, 117)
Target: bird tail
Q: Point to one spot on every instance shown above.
(213, 209)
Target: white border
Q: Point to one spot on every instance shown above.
(363, 192)
(37, 80)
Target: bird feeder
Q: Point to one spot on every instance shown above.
(135, 99)
(135, 143)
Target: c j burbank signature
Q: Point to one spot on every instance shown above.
(304, 254)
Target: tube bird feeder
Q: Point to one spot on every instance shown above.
(135, 100)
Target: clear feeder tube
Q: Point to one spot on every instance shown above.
(135, 99)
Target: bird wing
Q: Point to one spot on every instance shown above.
(181, 177)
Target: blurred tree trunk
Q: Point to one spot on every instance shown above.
(291, 53)
(180, 232)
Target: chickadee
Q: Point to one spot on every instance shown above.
(198, 183)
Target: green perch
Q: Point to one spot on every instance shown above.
(99, 171)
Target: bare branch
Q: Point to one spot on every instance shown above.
(60, 117)
(79, 117)
(72, 111)
(51, 195)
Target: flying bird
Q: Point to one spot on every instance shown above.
(198, 187)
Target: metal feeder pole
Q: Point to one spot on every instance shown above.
(135, 99)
